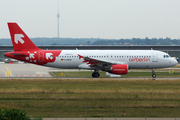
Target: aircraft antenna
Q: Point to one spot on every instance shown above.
(58, 15)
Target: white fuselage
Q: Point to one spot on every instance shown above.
(135, 59)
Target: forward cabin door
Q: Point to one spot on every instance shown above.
(154, 57)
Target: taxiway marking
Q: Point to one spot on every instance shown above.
(8, 73)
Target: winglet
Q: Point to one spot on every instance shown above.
(19, 39)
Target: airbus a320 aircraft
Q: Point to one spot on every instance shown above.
(112, 61)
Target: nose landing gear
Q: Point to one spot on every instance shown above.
(153, 74)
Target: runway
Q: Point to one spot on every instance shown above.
(26, 70)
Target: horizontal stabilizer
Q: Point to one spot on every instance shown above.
(18, 54)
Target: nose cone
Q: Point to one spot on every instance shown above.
(174, 62)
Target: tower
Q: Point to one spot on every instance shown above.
(58, 15)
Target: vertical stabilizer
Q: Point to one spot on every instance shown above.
(19, 39)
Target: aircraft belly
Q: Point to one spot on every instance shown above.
(139, 66)
(73, 64)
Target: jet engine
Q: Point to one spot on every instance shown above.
(120, 69)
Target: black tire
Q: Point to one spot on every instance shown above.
(154, 75)
(95, 75)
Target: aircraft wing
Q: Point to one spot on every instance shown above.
(97, 62)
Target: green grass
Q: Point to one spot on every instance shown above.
(88, 74)
(70, 95)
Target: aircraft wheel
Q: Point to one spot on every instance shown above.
(95, 75)
(154, 75)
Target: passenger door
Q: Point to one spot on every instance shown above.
(154, 57)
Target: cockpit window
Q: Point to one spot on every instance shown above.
(166, 56)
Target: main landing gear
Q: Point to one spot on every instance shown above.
(95, 74)
(153, 74)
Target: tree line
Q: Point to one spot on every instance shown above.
(138, 41)
(99, 41)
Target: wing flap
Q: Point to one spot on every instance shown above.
(96, 62)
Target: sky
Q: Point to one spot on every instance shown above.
(106, 19)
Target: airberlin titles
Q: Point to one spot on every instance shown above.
(139, 60)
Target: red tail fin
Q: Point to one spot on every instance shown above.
(19, 39)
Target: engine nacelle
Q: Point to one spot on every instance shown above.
(120, 69)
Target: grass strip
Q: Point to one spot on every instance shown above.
(133, 73)
(40, 97)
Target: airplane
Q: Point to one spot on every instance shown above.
(112, 61)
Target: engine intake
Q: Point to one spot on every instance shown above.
(120, 69)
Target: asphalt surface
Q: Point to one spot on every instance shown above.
(23, 70)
